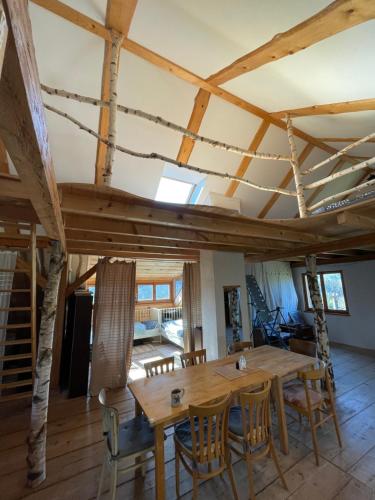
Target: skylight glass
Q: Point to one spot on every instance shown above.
(173, 191)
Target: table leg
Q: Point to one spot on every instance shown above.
(159, 462)
(138, 472)
(277, 386)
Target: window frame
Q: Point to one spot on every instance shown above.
(341, 312)
(154, 299)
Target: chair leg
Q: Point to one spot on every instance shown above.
(314, 440)
(231, 476)
(195, 486)
(337, 427)
(251, 478)
(102, 473)
(112, 495)
(276, 461)
(177, 472)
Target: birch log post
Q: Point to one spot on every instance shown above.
(320, 323)
(296, 172)
(36, 458)
(234, 308)
(117, 40)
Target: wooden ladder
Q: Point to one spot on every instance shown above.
(17, 368)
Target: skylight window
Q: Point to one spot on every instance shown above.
(173, 191)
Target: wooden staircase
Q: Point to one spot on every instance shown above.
(18, 336)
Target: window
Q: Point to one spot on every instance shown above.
(177, 287)
(162, 291)
(159, 291)
(145, 293)
(332, 288)
(173, 191)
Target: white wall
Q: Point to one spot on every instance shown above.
(220, 269)
(357, 329)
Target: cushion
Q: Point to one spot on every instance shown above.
(139, 327)
(183, 433)
(135, 435)
(295, 394)
(150, 324)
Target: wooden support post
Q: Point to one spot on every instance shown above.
(33, 278)
(296, 171)
(320, 323)
(37, 438)
(117, 40)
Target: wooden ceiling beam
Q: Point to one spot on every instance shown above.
(96, 227)
(245, 162)
(119, 15)
(329, 109)
(111, 208)
(339, 16)
(21, 241)
(12, 187)
(200, 106)
(285, 182)
(97, 247)
(352, 242)
(134, 255)
(356, 221)
(98, 29)
(22, 121)
(343, 139)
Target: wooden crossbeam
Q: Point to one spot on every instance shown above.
(339, 16)
(118, 17)
(200, 106)
(80, 200)
(27, 268)
(96, 247)
(329, 109)
(245, 162)
(136, 255)
(79, 281)
(285, 182)
(95, 228)
(343, 139)
(356, 221)
(22, 122)
(89, 24)
(332, 245)
(21, 241)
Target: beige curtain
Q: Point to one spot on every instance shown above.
(191, 302)
(114, 311)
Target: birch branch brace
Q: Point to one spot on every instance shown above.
(157, 156)
(165, 123)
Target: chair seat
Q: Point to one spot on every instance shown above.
(182, 433)
(135, 435)
(295, 395)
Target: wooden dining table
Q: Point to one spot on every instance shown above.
(204, 383)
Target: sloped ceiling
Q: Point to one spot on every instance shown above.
(203, 37)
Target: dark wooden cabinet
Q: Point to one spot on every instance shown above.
(75, 355)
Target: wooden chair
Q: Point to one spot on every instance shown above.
(160, 366)
(201, 444)
(306, 347)
(307, 399)
(193, 358)
(240, 346)
(128, 441)
(250, 430)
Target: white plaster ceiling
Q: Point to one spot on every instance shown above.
(203, 37)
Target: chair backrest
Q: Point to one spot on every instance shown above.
(209, 430)
(160, 366)
(303, 347)
(110, 423)
(193, 358)
(239, 347)
(320, 373)
(256, 415)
